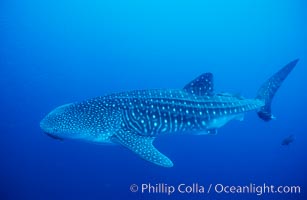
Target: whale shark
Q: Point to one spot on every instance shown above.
(134, 119)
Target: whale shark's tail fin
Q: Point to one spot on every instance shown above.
(270, 87)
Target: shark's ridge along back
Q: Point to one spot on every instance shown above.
(134, 119)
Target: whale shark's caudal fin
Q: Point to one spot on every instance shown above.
(270, 87)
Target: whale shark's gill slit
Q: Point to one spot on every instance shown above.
(131, 122)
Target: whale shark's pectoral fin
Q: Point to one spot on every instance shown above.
(201, 86)
(142, 145)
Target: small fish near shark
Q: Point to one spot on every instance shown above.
(134, 119)
(288, 140)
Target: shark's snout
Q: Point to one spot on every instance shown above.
(46, 127)
(53, 124)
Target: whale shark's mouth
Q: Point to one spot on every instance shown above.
(54, 136)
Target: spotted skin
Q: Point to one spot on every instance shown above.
(156, 112)
(134, 119)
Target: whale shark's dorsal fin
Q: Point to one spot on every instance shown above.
(141, 145)
(202, 85)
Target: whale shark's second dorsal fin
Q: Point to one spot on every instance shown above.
(142, 146)
(202, 85)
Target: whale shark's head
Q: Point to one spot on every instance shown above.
(88, 120)
(58, 123)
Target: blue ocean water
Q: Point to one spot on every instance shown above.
(57, 52)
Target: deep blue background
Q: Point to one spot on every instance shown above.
(56, 52)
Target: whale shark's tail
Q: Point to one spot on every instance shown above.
(270, 87)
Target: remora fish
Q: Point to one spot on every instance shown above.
(134, 119)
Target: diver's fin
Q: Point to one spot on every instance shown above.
(142, 145)
(270, 87)
(202, 85)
